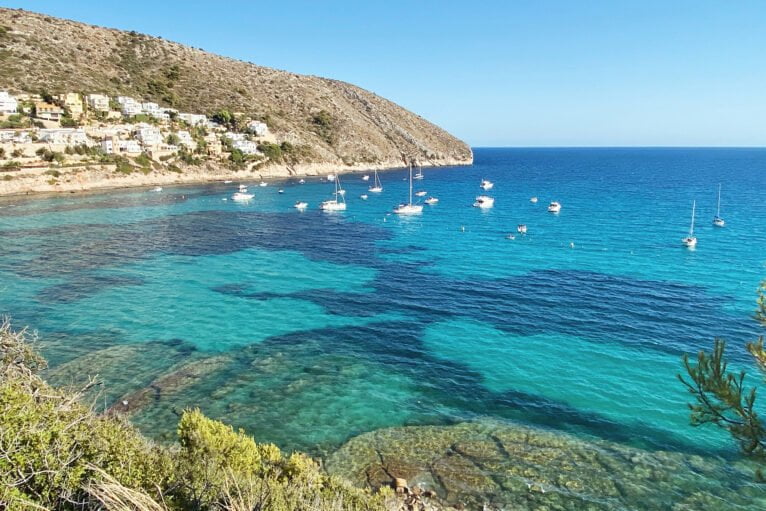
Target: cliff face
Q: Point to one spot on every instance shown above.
(42, 53)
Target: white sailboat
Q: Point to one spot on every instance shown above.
(717, 220)
(376, 186)
(691, 241)
(409, 208)
(419, 174)
(554, 207)
(484, 202)
(336, 204)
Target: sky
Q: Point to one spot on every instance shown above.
(500, 73)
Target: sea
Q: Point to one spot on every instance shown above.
(308, 328)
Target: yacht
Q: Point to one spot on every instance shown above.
(409, 208)
(486, 184)
(242, 196)
(431, 201)
(484, 202)
(717, 220)
(419, 174)
(376, 186)
(421, 193)
(336, 204)
(554, 207)
(522, 228)
(301, 205)
(365, 177)
(533, 200)
(691, 241)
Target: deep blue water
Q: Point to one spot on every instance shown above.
(317, 327)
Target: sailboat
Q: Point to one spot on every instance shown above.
(336, 204)
(717, 220)
(376, 186)
(409, 208)
(691, 241)
(419, 173)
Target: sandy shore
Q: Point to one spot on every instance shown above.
(101, 177)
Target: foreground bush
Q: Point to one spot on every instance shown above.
(57, 454)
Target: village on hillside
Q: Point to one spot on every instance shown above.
(43, 131)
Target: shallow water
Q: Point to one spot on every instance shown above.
(318, 327)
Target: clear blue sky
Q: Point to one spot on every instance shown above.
(504, 73)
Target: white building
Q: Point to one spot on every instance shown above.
(130, 106)
(258, 128)
(246, 146)
(114, 146)
(98, 102)
(185, 138)
(193, 119)
(64, 136)
(8, 104)
(155, 110)
(149, 135)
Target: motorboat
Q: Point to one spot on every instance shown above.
(486, 184)
(365, 177)
(281, 191)
(242, 196)
(363, 196)
(301, 205)
(522, 228)
(409, 208)
(301, 181)
(421, 193)
(533, 200)
(554, 207)
(263, 183)
(242, 188)
(484, 202)
(691, 241)
(431, 201)
(331, 177)
(227, 181)
(157, 189)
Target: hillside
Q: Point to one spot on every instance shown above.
(41, 53)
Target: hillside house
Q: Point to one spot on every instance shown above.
(193, 119)
(185, 139)
(257, 128)
(130, 107)
(113, 145)
(72, 102)
(246, 146)
(64, 136)
(8, 104)
(48, 111)
(149, 135)
(98, 102)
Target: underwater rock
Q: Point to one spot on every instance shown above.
(493, 465)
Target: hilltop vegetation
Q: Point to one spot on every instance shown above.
(339, 122)
(57, 454)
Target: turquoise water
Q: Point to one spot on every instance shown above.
(308, 328)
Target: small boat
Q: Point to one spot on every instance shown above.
(341, 192)
(241, 196)
(421, 193)
(533, 200)
(409, 208)
(301, 205)
(510, 237)
(263, 183)
(554, 207)
(157, 189)
(717, 220)
(691, 241)
(522, 228)
(331, 177)
(363, 196)
(376, 186)
(431, 200)
(484, 202)
(336, 204)
(242, 188)
(486, 184)
(301, 181)
(227, 181)
(281, 191)
(365, 177)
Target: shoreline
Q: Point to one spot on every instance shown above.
(90, 178)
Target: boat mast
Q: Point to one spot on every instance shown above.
(718, 211)
(410, 183)
(691, 229)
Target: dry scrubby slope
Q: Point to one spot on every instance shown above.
(39, 52)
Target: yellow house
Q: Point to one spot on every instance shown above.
(72, 102)
(48, 111)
